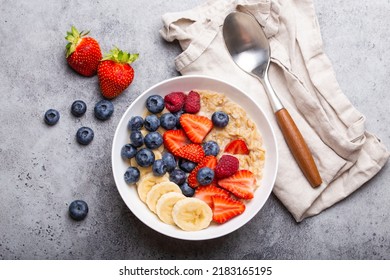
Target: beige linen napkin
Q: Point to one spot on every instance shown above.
(347, 156)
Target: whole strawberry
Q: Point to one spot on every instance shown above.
(115, 73)
(82, 53)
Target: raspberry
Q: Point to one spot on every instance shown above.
(192, 104)
(174, 101)
(227, 166)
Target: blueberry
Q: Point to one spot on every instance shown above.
(159, 168)
(152, 123)
(187, 190)
(153, 140)
(136, 138)
(104, 109)
(168, 121)
(186, 165)
(78, 108)
(52, 116)
(155, 104)
(205, 176)
(220, 119)
(144, 157)
(78, 210)
(211, 148)
(84, 135)
(169, 161)
(135, 123)
(132, 175)
(177, 176)
(128, 151)
(178, 115)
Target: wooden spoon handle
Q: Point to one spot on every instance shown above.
(298, 147)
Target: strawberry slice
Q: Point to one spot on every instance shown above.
(237, 147)
(225, 208)
(207, 161)
(241, 184)
(174, 140)
(206, 192)
(196, 127)
(191, 152)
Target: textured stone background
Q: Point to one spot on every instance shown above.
(43, 169)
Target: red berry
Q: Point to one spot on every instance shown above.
(227, 166)
(237, 147)
(196, 127)
(174, 101)
(82, 53)
(191, 152)
(241, 184)
(226, 208)
(115, 73)
(192, 103)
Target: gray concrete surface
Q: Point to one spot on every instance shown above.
(43, 169)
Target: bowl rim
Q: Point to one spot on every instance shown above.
(211, 79)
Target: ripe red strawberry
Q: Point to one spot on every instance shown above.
(237, 147)
(227, 166)
(225, 208)
(241, 184)
(174, 101)
(206, 192)
(196, 127)
(115, 73)
(207, 161)
(174, 140)
(191, 152)
(82, 53)
(192, 103)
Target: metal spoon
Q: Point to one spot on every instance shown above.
(249, 48)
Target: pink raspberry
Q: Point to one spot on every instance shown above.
(174, 101)
(226, 167)
(192, 104)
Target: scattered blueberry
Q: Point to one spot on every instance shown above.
(211, 148)
(159, 168)
(152, 123)
(84, 135)
(135, 123)
(153, 140)
(169, 161)
(220, 119)
(186, 165)
(168, 121)
(187, 190)
(155, 104)
(104, 109)
(52, 116)
(144, 157)
(128, 151)
(205, 176)
(132, 175)
(136, 138)
(178, 115)
(78, 210)
(177, 176)
(78, 108)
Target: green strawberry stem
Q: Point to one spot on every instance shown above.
(120, 56)
(73, 37)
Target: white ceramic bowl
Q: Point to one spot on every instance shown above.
(187, 83)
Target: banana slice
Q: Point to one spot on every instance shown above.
(165, 205)
(145, 170)
(157, 191)
(192, 214)
(146, 184)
